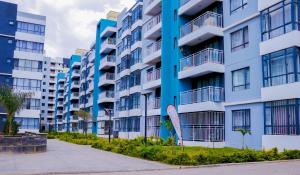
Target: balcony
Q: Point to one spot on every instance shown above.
(75, 73)
(92, 72)
(76, 65)
(74, 96)
(51, 94)
(103, 115)
(74, 107)
(152, 79)
(153, 7)
(192, 7)
(75, 85)
(204, 27)
(202, 63)
(203, 99)
(107, 79)
(60, 104)
(51, 109)
(90, 87)
(153, 52)
(107, 62)
(154, 106)
(108, 45)
(106, 97)
(60, 112)
(153, 28)
(52, 80)
(73, 119)
(108, 31)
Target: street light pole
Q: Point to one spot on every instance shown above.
(145, 136)
(109, 123)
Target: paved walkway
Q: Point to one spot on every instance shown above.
(65, 158)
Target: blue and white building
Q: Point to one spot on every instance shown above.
(225, 65)
(23, 36)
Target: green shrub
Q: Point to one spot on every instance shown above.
(181, 159)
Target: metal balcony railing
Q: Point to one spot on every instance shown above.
(204, 133)
(153, 47)
(110, 41)
(205, 94)
(205, 56)
(153, 75)
(153, 22)
(154, 103)
(207, 19)
(108, 76)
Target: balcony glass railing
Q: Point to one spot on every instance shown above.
(205, 56)
(153, 22)
(153, 75)
(110, 41)
(108, 76)
(107, 94)
(153, 47)
(207, 19)
(205, 94)
(154, 103)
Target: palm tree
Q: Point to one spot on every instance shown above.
(12, 102)
(243, 132)
(85, 116)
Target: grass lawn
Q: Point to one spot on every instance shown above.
(163, 151)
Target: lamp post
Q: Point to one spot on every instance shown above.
(146, 113)
(109, 122)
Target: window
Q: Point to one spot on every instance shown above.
(134, 101)
(135, 56)
(27, 84)
(31, 28)
(136, 35)
(281, 117)
(237, 5)
(241, 120)
(137, 14)
(203, 126)
(135, 78)
(130, 124)
(28, 65)
(29, 46)
(28, 123)
(239, 39)
(32, 104)
(280, 19)
(281, 67)
(241, 79)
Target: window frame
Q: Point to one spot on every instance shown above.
(245, 85)
(245, 42)
(244, 5)
(246, 114)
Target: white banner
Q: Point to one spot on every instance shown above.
(176, 122)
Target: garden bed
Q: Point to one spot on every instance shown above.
(158, 150)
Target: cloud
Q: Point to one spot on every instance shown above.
(71, 24)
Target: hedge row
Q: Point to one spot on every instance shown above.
(158, 150)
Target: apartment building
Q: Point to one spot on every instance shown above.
(51, 67)
(59, 103)
(128, 110)
(225, 66)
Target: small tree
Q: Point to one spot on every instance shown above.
(85, 116)
(12, 102)
(244, 132)
(169, 126)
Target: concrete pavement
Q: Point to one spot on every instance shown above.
(65, 159)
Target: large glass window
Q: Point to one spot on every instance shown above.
(239, 39)
(31, 28)
(241, 79)
(281, 67)
(282, 117)
(28, 123)
(237, 5)
(129, 124)
(280, 19)
(134, 101)
(135, 78)
(136, 35)
(27, 84)
(32, 104)
(241, 120)
(137, 14)
(28, 65)
(203, 126)
(136, 56)
(29, 46)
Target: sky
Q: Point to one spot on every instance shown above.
(71, 24)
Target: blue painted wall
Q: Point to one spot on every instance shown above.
(8, 27)
(247, 57)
